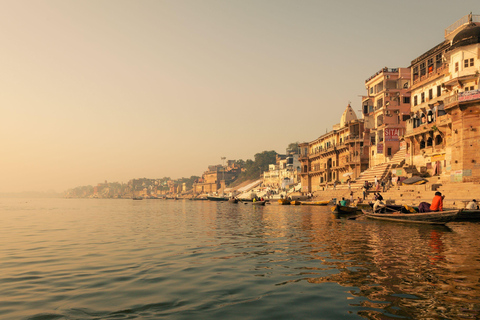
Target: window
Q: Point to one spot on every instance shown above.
(415, 73)
(389, 151)
(430, 65)
(422, 97)
(415, 102)
(438, 60)
(439, 91)
(465, 63)
(423, 71)
(430, 94)
(429, 142)
(406, 99)
(456, 66)
(471, 62)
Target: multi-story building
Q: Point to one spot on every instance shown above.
(216, 178)
(385, 109)
(284, 171)
(336, 155)
(441, 133)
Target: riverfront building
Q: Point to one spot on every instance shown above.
(442, 135)
(336, 155)
(385, 109)
(284, 172)
(216, 178)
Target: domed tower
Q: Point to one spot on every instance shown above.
(469, 35)
(347, 116)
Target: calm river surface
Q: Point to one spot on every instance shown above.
(154, 259)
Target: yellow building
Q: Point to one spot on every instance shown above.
(336, 155)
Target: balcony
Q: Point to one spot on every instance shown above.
(441, 70)
(462, 97)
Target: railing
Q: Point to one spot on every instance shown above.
(450, 99)
(435, 72)
(381, 71)
(460, 22)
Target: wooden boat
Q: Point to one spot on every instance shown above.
(258, 203)
(345, 210)
(435, 217)
(315, 203)
(295, 203)
(284, 202)
(233, 200)
(137, 198)
(468, 215)
(217, 198)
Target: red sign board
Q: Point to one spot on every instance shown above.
(469, 95)
(392, 134)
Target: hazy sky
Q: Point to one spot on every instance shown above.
(115, 90)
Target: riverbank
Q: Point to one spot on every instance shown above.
(457, 194)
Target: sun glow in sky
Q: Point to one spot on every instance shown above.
(116, 90)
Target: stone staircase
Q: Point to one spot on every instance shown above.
(380, 171)
(457, 195)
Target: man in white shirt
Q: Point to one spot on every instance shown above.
(472, 205)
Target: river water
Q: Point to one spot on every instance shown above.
(165, 259)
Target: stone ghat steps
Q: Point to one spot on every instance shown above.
(456, 194)
(380, 171)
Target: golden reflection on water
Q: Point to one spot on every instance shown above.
(418, 270)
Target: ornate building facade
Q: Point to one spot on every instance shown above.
(336, 155)
(442, 134)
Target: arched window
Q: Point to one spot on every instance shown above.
(430, 116)
(438, 140)
(429, 142)
(422, 144)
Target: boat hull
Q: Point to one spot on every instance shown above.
(436, 217)
(212, 198)
(258, 203)
(344, 210)
(315, 203)
(284, 202)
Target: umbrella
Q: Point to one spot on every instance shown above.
(347, 174)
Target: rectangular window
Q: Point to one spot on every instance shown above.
(422, 97)
(379, 103)
(389, 151)
(438, 60)
(465, 63)
(406, 99)
(456, 66)
(471, 62)
(439, 91)
(415, 73)
(430, 94)
(423, 71)
(415, 102)
(430, 65)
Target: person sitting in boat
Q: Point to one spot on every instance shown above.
(343, 202)
(472, 205)
(378, 205)
(378, 196)
(437, 204)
